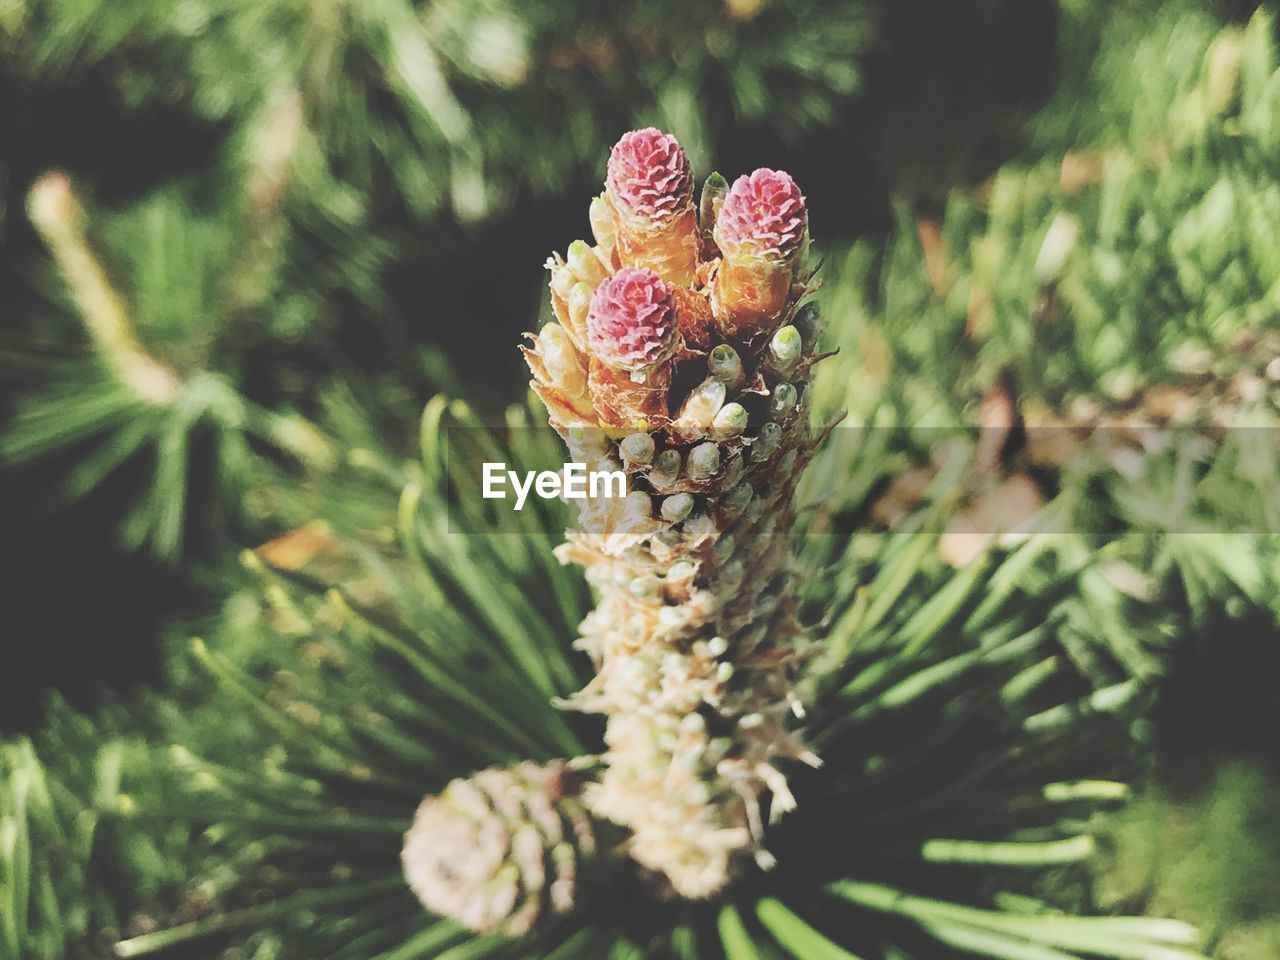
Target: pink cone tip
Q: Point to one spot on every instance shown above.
(648, 175)
(763, 217)
(631, 323)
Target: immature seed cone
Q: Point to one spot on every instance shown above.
(761, 232)
(498, 850)
(695, 634)
(631, 321)
(650, 190)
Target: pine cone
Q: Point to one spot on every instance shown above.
(497, 851)
(649, 190)
(695, 633)
(761, 232)
(631, 322)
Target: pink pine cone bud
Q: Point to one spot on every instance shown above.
(648, 175)
(763, 218)
(631, 323)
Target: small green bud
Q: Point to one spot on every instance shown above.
(665, 469)
(579, 303)
(713, 193)
(562, 279)
(602, 224)
(554, 336)
(704, 461)
(676, 507)
(700, 524)
(637, 448)
(718, 646)
(803, 396)
(587, 440)
(669, 537)
(785, 348)
(734, 470)
(725, 365)
(736, 500)
(724, 672)
(783, 400)
(638, 505)
(730, 421)
(808, 320)
(560, 356)
(584, 263)
(766, 444)
(724, 547)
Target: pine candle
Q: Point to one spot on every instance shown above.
(681, 352)
(680, 356)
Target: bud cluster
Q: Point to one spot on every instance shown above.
(697, 355)
(680, 353)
